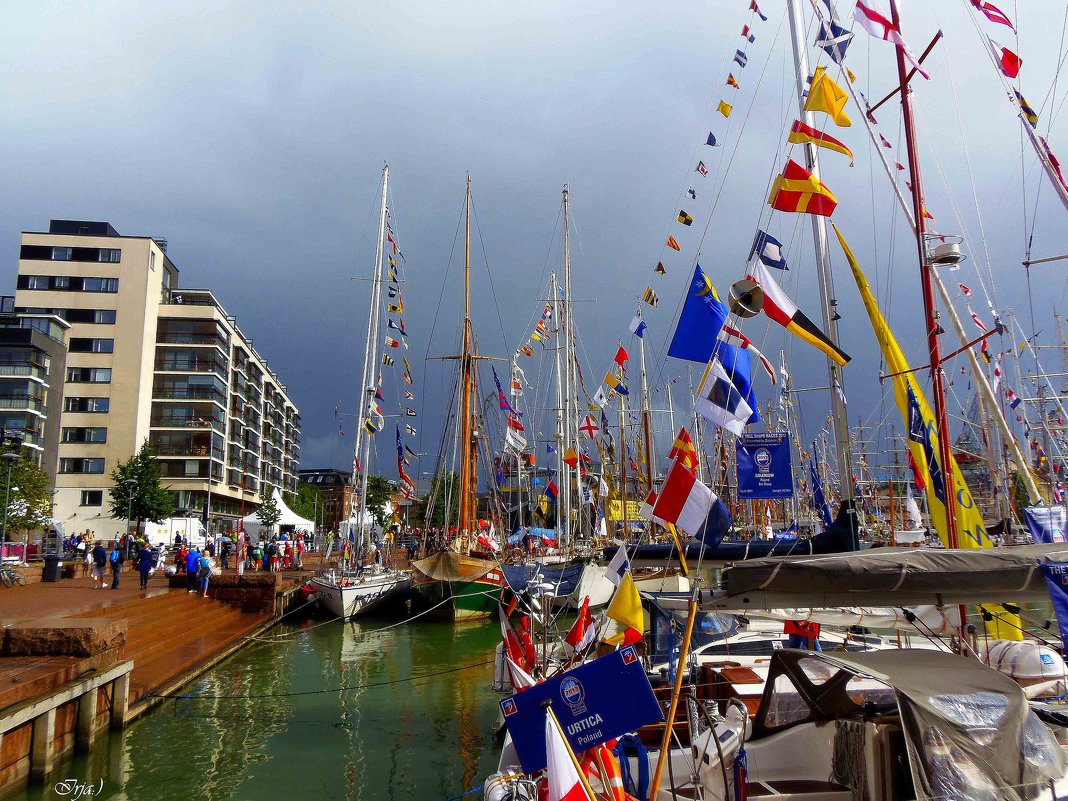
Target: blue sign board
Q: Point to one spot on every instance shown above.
(1046, 523)
(602, 699)
(1056, 574)
(764, 468)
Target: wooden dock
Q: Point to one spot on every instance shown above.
(75, 661)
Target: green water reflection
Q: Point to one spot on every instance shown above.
(281, 728)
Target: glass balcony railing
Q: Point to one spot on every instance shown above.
(21, 370)
(27, 402)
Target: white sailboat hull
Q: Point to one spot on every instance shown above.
(349, 596)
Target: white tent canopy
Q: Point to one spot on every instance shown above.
(289, 518)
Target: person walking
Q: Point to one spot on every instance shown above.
(99, 557)
(87, 553)
(192, 564)
(116, 558)
(224, 553)
(204, 570)
(145, 562)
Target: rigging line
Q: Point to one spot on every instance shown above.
(971, 174)
(342, 689)
(660, 358)
(489, 274)
(434, 323)
(1057, 74)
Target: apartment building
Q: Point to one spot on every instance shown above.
(335, 489)
(149, 361)
(33, 353)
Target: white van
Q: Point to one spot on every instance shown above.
(191, 529)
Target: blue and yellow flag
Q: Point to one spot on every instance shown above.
(924, 452)
(702, 318)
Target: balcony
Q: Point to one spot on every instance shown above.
(190, 366)
(184, 421)
(22, 370)
(183, 338)
(188, 469)
(189, 393)
(22, 402)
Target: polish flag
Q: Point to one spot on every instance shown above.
(683, 500)
(581, 635)
(565, 782)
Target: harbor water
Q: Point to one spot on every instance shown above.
(317, 710)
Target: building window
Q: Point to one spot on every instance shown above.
(92, 497)
(72, 404)
(76, 465)
(85, 434)
(91, 345)
(67, 283)
(89, 375)
(62, 254)
(112, 255)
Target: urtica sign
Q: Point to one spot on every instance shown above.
(600, 700)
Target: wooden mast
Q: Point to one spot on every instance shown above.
(467, 433)
(941, 415)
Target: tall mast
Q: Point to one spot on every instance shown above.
(564, 506)
(647, 426)
(819, 231)
(370, 360)
(554, 299)
(467, 434)
(931, 314)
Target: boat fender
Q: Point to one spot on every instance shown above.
(304, 592)
(313, 598)
(630, 745)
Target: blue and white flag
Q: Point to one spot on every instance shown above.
(638, 326)
(769, 250)
(618, 566)
(740, 58)
(819, 500)
(1056, 574)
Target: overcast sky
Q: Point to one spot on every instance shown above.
(252, 137)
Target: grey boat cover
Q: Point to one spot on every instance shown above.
(888, 577)
(969, 730)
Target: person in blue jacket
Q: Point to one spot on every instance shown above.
(192, 564)
(145, 562)
(204, 572)
(116, 558)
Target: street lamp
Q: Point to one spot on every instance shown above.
(130, 484)
(9, 457)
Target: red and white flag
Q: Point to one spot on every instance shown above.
(733, 336)
(565, 782)
(966, 290)
(520, 679)
(1008, 61)
(993, 13)
(976, 320)
(882, 28)
(683, 500)
(582, 632)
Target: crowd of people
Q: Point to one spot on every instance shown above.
(103, 560)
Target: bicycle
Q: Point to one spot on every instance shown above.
(9, 576)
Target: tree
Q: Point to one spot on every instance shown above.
(306, 502)
(269, 513)
(138, 490)
(379, 493)
(29, 501)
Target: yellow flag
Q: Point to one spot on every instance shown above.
(970, 527)
(626, 609)
(725, 108)
(827, 96)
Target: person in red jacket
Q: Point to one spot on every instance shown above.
(802, 634)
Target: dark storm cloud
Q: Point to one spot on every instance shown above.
(252, 137)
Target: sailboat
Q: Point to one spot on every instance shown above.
(463, 580)
(347, 588)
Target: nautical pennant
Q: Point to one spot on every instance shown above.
(673, 243)
(779, 307)
(801, 133)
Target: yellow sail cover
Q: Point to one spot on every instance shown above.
(970, 527)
